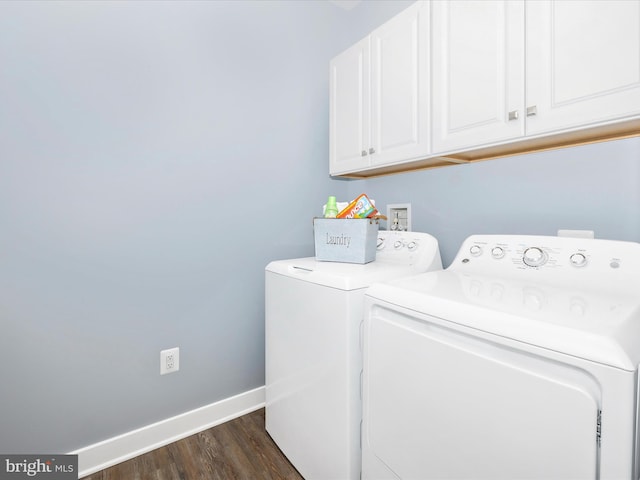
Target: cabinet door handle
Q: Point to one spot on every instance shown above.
(364, 153)
(531, 111)
(371, 150)
(513, 115)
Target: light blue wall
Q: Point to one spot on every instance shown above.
(591, 187)
(154, 157)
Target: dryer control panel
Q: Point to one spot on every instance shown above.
(547, 257)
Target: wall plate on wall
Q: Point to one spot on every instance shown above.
(399, 217)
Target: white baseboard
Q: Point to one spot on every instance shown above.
(112, 451)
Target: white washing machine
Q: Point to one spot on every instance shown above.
(313, 351)
(519, 361)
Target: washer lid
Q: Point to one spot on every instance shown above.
(598, 325)
(344, 276)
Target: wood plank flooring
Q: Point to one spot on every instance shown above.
(240, 449)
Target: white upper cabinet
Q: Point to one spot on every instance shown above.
(379, 96)
(349, 107)
(505, 70)
(478, 72)
(400, 87)
(454, 81)
(583, 62)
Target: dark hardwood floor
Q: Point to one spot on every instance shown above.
(240, 449)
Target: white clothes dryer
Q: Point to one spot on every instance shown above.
(519, 361)
(313, 315)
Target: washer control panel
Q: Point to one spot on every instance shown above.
(406, 248)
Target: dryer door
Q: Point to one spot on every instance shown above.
(442, 403)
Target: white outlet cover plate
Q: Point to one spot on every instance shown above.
(169, 360)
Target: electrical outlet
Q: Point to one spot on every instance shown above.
(169, 360)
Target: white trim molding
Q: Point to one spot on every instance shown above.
(112, 451)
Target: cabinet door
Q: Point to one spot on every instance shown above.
(400, 87)
(349, 109)
(583, 62)
(478, 72)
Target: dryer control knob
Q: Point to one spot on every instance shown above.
(578, 260)
(534, 257)
(398, 244)
(475, 250)
(412, 245)
(497, 252)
